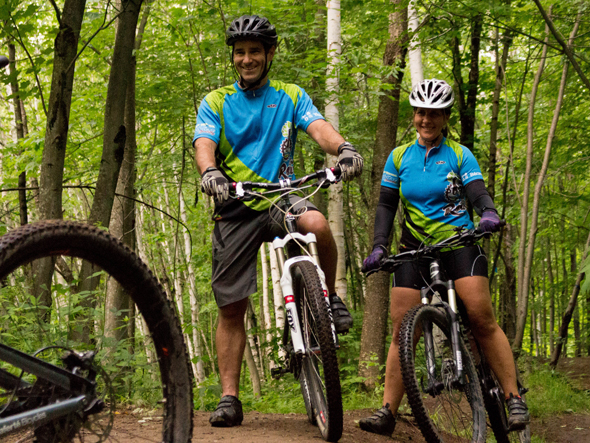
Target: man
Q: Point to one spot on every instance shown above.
(247, 132)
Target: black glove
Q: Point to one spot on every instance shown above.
(349, 161)
(214, 183)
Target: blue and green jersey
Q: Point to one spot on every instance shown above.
(255, 132)
(431, 188)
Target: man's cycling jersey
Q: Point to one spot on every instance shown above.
(255, 132)
(431, 188)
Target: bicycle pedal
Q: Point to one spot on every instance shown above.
(277, 373)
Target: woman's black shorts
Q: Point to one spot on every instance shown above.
(468, 261)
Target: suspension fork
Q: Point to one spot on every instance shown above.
(434, 385)
(287, 284)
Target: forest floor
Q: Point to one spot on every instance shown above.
(266, 428)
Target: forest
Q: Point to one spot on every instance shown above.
(97, 119)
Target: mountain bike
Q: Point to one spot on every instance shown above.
(309, 336)
(60, 373)
(449, 384)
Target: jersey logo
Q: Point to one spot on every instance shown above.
(454, 195)
(440, 162)
(272, 106)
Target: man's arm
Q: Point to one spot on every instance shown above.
(325, 135)
(205, 153)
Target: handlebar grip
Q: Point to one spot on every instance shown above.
(3, 61)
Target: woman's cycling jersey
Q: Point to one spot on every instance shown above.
(255, 132)
(431, 188)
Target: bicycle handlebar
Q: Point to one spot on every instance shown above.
(243, 190)
(464, 237)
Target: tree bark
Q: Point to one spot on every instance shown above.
(58, 116)
(524, 209)
(377, 292)
(541, 178)
(335, 199)
(20, 132)
(567, 315)
(468, 112)
(500, 69)
(56, 132)
(115, 133)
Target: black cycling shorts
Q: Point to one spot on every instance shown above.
(235, 250)
(468, 261)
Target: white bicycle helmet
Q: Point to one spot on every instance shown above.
(432, 94)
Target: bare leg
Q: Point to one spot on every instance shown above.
(314, 221)
(230, 339)
(474, 291)
(402, 299)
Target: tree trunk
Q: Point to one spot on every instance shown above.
(56, 131)
(500, 69)
(335, 200)
(524, 210)
(122, 223)
(541, 178)
(266, 306)
(468, 112)
(567, 315)
(414, 52)
(114, 135)
(507, 305)
(60, 99)
(377, 292)
(20, 132)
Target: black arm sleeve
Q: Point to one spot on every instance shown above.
(388, 201)
(479, 197)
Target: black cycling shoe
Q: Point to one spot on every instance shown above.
(342, 318)
(228, 413)
(518, 413)
(381, 422)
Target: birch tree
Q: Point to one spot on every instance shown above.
(335, 203)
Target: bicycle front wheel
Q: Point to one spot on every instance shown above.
(319, 378)
(451, 411)
(142, 361)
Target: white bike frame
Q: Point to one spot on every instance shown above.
(287, 283)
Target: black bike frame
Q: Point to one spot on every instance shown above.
(46, 371)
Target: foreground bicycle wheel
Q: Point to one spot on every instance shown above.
(319, 378)
(149, 368)
(455, 413)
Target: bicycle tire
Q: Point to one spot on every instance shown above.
(497, 413)
(20, 247)
(454, 414)
(319, 366)
(306, 393)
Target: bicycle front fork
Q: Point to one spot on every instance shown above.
(435, 385)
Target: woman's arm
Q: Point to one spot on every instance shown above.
(384, 216)
(479, 197)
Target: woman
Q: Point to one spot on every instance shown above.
(433, 177)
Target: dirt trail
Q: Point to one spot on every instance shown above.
(267, 428)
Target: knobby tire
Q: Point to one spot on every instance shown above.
(319, 371)
(446, 418)
(19, 247)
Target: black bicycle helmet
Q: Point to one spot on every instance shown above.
(251, 27)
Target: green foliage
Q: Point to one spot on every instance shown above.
(550, 393)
